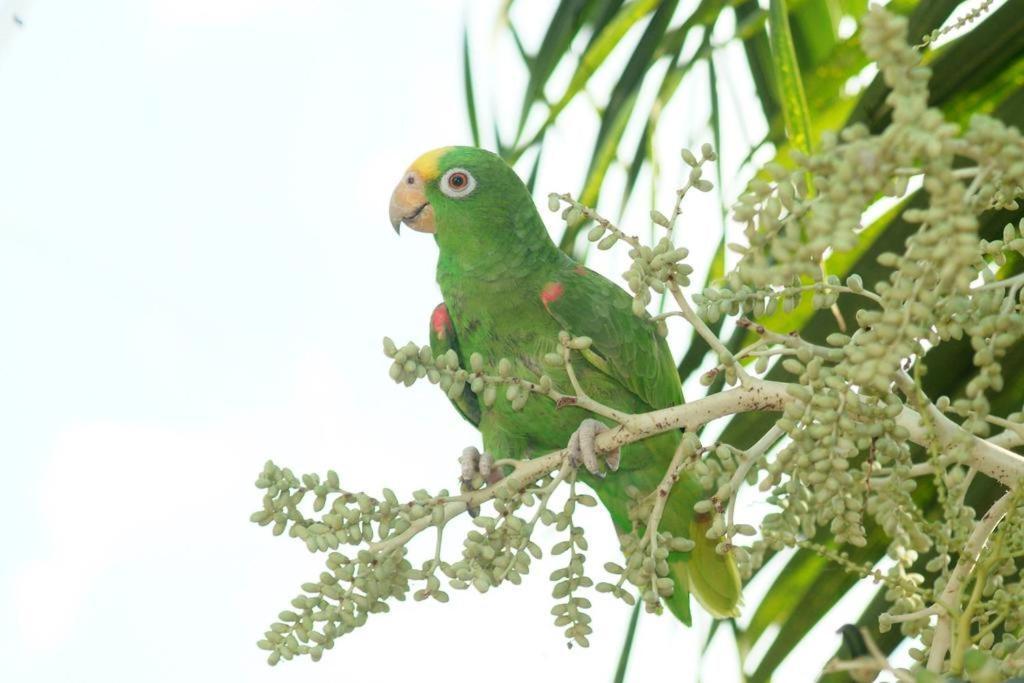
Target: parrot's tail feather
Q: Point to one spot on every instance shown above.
(710, 576)
(679, 602)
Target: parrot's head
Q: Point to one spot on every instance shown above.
(465, 194)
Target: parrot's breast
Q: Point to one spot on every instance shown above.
(512, 323)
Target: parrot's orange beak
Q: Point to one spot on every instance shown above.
(409, 204)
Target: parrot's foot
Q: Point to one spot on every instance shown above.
(582, 450)
(476, 464)
(477, 470)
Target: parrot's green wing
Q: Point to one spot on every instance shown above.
(443, 339)
(627, 347)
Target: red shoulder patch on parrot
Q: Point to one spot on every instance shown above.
(552, 291)
(440, 321)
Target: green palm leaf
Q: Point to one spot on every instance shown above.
(787, 77)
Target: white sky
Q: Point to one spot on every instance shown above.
(196, 270)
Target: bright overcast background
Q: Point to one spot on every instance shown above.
(196, 271)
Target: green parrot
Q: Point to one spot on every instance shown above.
(508, 291)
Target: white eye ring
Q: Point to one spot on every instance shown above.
(458, 183)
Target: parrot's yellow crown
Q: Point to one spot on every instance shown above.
(428, 165)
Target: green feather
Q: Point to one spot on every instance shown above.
(495, 260)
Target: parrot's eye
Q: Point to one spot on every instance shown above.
(457, 183)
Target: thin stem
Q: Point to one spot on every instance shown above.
(792, 341)
(542, 505)
(950, 598)
(701, 328)
(879, 656)
(1013, 281)
(929, 611)
(661, 495)
(754, 454)
(932, 425)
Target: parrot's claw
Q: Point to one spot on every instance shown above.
(476, 464)
(477, 470)
(582, 449)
